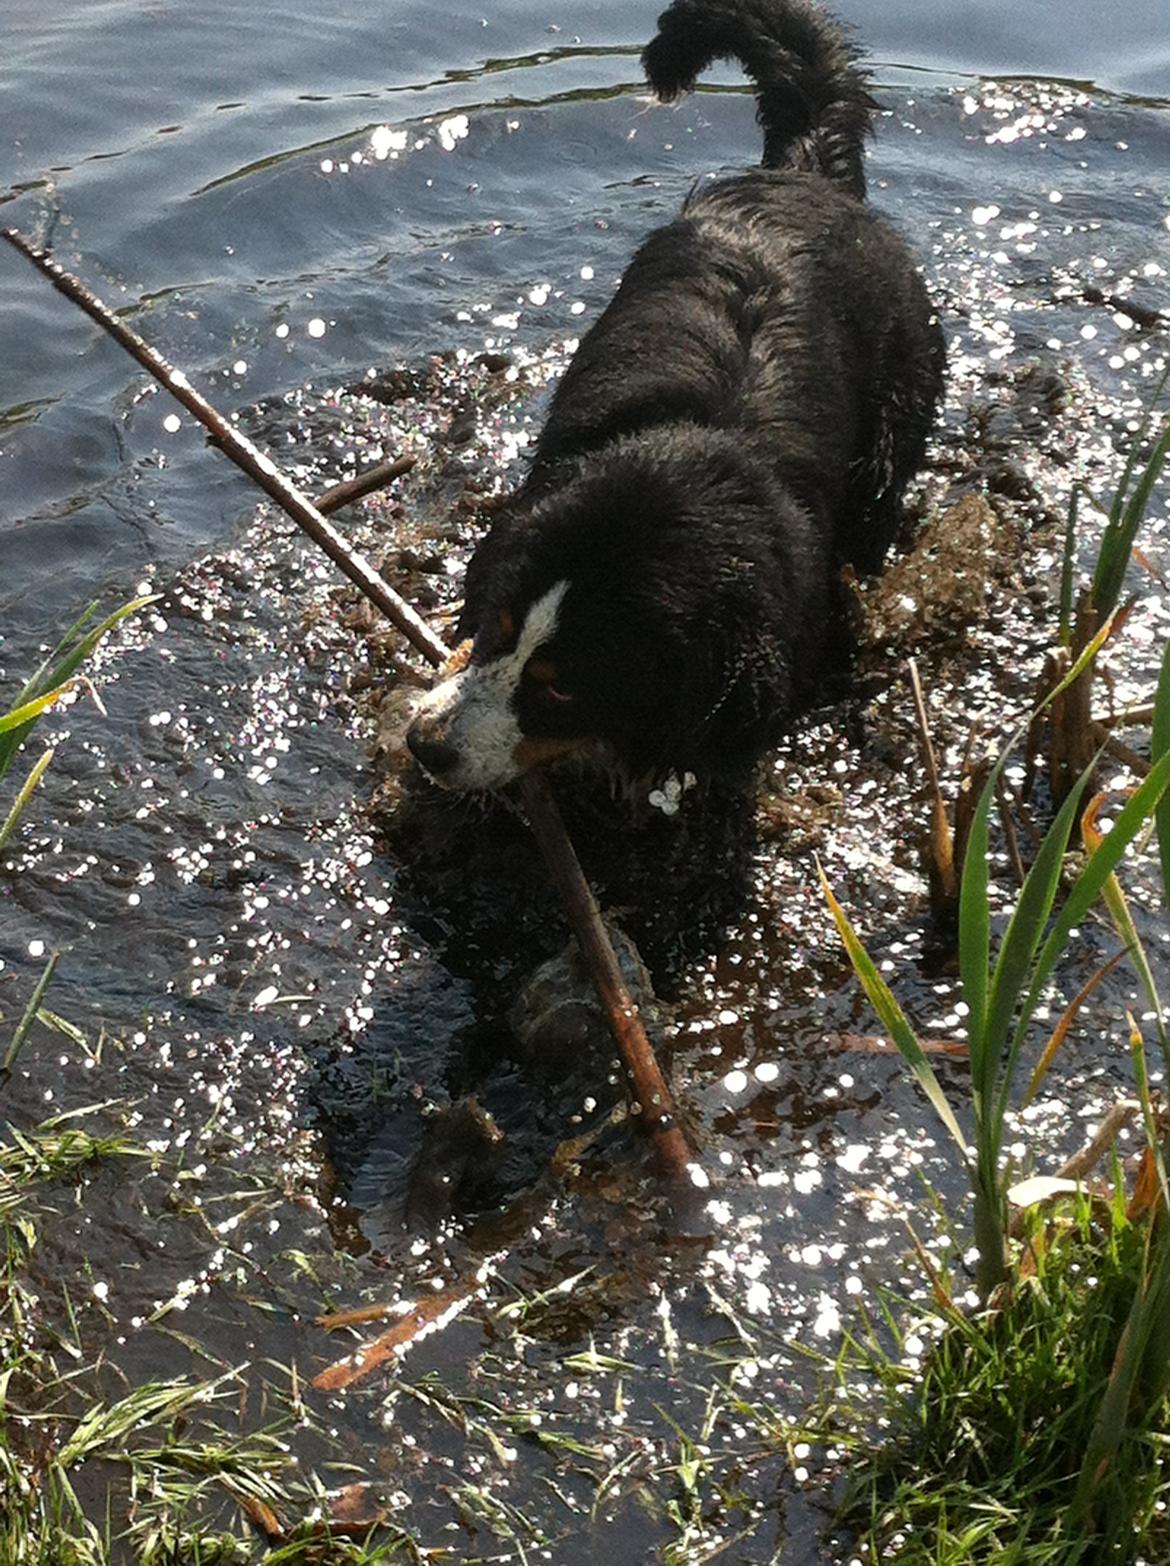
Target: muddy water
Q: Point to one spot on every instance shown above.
(285, 972)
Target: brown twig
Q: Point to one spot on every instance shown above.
(1114, 747)
(1009, 831)
(349, 490)
(256, 464)
(425, 1315)
(939, 845)
(655, 1104)
(1131, 717)
(1116, 1118)
(874, 1044)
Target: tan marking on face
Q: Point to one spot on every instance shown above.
(537, 752)
(507, 624)
(473, 709)
(542, 670)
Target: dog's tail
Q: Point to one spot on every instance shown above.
(812, 99)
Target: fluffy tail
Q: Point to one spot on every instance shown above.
(812, 100)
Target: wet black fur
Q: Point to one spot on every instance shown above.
(739, 423)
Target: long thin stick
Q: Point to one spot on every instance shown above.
(255, 463)
(655, 1104)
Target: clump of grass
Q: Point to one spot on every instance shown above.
(54, 678)
(1002, 993)
(1055, 1397)
(981, 1463)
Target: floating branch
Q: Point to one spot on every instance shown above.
(655, 1104)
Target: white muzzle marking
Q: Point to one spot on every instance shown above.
(476, 706)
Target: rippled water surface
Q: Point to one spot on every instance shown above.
(369, 232)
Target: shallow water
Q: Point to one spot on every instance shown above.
(282, 207)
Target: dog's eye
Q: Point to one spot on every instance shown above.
(544, 675)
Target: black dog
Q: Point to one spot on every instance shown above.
(739, 424)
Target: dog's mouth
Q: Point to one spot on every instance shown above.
(466, 757)
(467, 733)
(466, 736)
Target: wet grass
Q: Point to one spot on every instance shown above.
(980, 1459)
(179, 1484)
(171, 1471)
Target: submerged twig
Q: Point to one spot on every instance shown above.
(656, 1106)
(654, 1103)
(425, 1315)
(377, 477)
(1115, 1119)
(1011, 840)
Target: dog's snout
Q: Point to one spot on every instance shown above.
(430, 750)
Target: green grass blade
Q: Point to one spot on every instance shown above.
(105, 1425)
(1159, 745)
(1123, 922)
(1078, 668)
(974, 909)
(892, 1017)
(975, 925)
(1089, 884)
(1026, 928)
(1131, 461)
(1141, 1077)
(40, 679)
(30, 710)
(16, 1043)
(1118, 539)
(76, 645)
(26, 792)
(1117, 1414)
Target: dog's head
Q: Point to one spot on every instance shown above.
(508, 700)
(616, 618)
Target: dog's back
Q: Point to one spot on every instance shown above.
(778, 303)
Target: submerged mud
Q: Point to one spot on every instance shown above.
(312, 994)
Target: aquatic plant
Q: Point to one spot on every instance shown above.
(57, 675)
(1042, 1411)
(979, 1458)
(1034, 1432)
(1002, 993)
(1074, 736)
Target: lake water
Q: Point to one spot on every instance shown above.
(175, 155)
(285, 198)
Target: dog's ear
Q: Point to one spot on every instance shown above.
(674, 683)
(719, 700)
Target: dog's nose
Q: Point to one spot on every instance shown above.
(436, 755)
